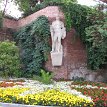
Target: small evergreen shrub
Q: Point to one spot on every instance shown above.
(33, 41)
(9, 59)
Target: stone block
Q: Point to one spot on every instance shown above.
(56, 58)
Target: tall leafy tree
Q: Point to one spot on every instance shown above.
(27, 6)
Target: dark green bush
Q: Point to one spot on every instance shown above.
(96, 41)
(33, 40)
(9, 60)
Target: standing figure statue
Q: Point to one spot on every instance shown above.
(58, 32)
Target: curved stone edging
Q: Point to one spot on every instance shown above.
(21, 105)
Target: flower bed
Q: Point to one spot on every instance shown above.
(36, 93)
(97, 91)
(98, 84)
(48, 98)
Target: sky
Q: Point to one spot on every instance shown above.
(13, 10)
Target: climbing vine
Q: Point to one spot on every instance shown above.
(33, 42)
(91, 25)
(76, 17)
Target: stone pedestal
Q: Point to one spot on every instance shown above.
(56, 58)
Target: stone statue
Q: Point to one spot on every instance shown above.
(58, 32)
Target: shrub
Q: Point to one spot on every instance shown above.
(33, 40)
(9, 59)
(96, 40)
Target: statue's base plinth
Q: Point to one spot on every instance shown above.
(56, 58)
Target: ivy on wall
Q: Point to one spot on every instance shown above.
(33, 41)
(91, 25)
(76, 17)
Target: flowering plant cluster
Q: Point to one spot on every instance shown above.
(10, 84)
(57, 98)
(10, 95)
(49, 97)
(98, 93)
(98, 84)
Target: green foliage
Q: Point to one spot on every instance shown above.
(96, 37)
(60, 1)
(91, 26)
(33, 40)
(9, 60)
(45, 77)
(76, 17)
(25, 5)
(38, 7)
(31, 6)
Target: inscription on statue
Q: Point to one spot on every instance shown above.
(58, 32)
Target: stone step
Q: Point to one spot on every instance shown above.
(21, 105)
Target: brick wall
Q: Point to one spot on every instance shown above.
(5, 34)
(74, 51)
(8, 23)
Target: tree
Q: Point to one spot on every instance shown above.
(28, 6)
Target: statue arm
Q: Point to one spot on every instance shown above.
(64, 31)
(52, 32)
